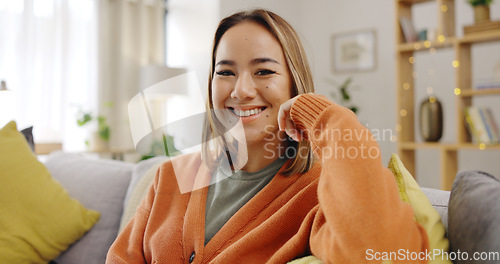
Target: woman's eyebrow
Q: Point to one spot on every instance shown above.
(225, 62)
(254, 61)
(264, 60)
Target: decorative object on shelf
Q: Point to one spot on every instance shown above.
(481, 10)
(354, 51)
(98, 139)
(343, 94)
(431, 119)
(422, 35)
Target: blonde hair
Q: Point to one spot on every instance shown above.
(301, 76)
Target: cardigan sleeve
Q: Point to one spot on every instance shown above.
(361, 214)
(128, 246)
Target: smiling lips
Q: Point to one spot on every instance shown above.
(247, 113)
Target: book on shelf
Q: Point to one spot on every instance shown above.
(482, 125)
(408, 29)
(487, 124)
(484, 85)
(492, 124)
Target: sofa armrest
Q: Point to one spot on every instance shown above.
(142, 179)
(439, 199)
(99, 185)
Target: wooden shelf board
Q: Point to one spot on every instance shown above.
(476, 146)
(480, 37)
(448, 146)
(420, 45)
(112, 151)
(423, 145)
(47, 148)
(470, 93)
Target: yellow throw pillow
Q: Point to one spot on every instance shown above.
(425, 214)
(38, 219)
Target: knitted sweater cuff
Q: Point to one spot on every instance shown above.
(307, 109)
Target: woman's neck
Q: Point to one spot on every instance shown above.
(261, 155)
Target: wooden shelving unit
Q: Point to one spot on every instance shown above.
(471, 93)
(405, 90)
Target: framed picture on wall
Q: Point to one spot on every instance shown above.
(354, 51)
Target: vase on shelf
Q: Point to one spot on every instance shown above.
(431, 119)
(481, 13)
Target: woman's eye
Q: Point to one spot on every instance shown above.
(265, 72)
(225, 73)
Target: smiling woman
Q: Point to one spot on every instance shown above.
(281, 204)
(261, 56)
(251, 76)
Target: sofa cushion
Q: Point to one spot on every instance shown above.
(98, 184)
(474, 214)
(424, 212)
(439, 200)
(142, 178)
(38, 219)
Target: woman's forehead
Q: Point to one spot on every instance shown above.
(248, 39)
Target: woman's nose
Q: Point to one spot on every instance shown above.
(244, 88)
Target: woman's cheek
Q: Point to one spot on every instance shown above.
(217, 94)
(265, 83)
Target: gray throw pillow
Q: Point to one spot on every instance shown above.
(139, 170)
(142, 178)
(99, 185)
(28, 134)
(474, 216)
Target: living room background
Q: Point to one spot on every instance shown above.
(190, 25)
(375, 91)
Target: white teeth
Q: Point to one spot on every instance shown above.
(246, 113)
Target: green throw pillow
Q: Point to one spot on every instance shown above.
(38, 219)
(425, 214)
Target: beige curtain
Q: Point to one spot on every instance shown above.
(131, 35)
(48, 53)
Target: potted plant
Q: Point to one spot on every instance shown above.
(98, 139)
(343, 96)
(481, 9)
(161, 147)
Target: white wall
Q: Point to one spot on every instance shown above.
(191, 25)
(374, 92)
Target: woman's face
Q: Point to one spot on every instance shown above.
(251, 80)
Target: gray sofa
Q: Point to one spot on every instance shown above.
(108, 186)
(102, 185)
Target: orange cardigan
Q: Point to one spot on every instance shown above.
(346, 204)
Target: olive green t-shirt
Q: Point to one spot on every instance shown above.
(231, 191)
